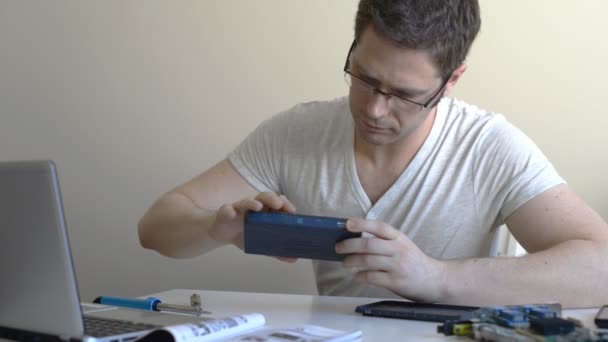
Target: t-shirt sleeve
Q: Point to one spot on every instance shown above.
(510, 169)
(258, 158)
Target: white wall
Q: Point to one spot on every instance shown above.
(131, 98)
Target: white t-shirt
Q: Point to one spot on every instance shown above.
(473, 171)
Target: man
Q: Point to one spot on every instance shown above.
(428, 179)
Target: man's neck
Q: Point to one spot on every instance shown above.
(398, 154)
(379, 166)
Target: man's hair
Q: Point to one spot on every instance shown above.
(444, 28)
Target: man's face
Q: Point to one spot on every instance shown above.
(410, 74)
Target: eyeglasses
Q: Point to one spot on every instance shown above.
(401, 103)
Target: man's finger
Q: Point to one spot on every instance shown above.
(248, 204)
(377, 228)
(226, 213)
(287, 205)
(270, 200)
(365, 245)
(287, 259)
(370, 262)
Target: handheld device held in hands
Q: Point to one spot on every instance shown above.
(296, 236)
(601, 319)
(417, 311)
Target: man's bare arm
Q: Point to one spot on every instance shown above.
(179, 223)
(568, 245)
(567, 241)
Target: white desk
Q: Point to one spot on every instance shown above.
(285, 310)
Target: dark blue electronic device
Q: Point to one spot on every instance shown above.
(296, 236)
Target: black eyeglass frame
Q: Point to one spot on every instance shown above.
(387, 94)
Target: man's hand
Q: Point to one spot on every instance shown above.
(392, 261)
(228, 225)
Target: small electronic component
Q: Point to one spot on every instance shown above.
(510, 317)
(551, 326)
(456, 328)
(539, 311)
(493, 332)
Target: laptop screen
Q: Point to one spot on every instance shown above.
(39, 290)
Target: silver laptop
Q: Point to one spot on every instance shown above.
(38, 291)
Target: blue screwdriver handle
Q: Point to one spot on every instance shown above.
(148, 304)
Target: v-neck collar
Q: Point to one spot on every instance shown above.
(373, 211)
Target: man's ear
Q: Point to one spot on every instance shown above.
(454, 78)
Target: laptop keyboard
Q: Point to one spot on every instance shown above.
(99, 327)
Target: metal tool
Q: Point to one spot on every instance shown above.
(195, 310)
(150, 304)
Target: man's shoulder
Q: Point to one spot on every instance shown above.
(322, 122)
(312, 117)
(461, 111)
(483, 129)
(463, 118)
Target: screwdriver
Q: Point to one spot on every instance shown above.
(150, 304)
